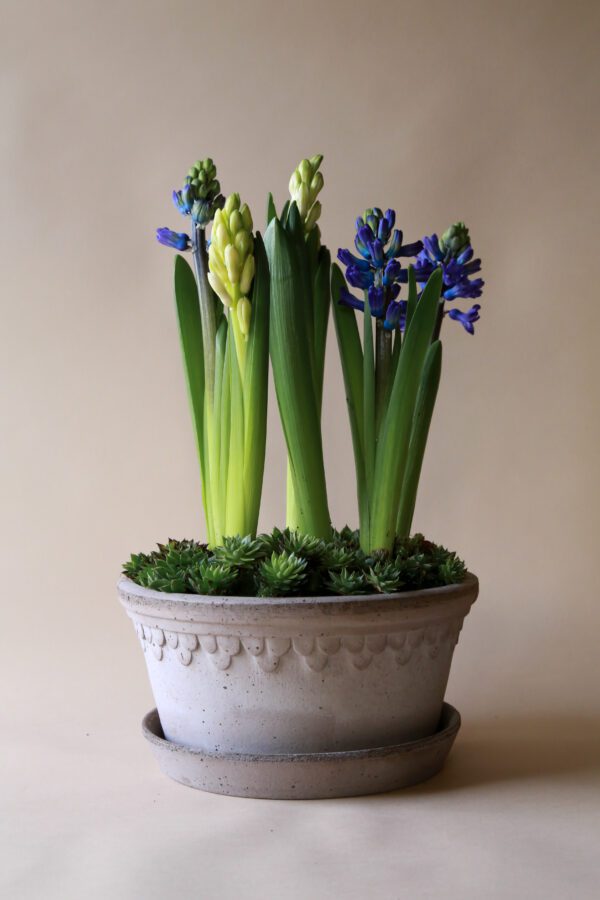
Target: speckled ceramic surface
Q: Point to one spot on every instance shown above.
(307, 776)
(249, 675)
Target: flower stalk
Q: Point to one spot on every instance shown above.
(391, 388)
(297, 339)
(314, 260)
(223, 314)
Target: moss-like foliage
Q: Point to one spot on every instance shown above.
(287, 564)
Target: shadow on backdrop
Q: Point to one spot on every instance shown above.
(508, 749)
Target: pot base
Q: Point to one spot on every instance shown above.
(305, 776)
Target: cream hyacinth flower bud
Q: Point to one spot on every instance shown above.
(305, 185)
(231, 260)
(244, 311)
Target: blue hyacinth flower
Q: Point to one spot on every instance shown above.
(173, 239)
(184, 200)
(376, 268)
(466, 319)
(348, 299)
(395, 315)
(454, 254)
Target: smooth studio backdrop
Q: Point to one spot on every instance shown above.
(480, 111)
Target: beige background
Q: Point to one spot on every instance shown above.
(485, 111)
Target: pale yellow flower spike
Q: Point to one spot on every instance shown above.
(231, 260)
(305, 185)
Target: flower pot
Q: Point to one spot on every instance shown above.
(247, 675)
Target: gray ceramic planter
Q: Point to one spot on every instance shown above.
(298, 676)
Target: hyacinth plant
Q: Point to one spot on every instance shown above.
(392, 378)
(300, 270)
(244, 300)
(223, 313)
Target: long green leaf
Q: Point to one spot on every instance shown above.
(284, 213)
(216, 454)
(425, 404)
(224, 425)
(413, 296)
(256, 386)
(271, 211)
(190, 332)
(294, 384)
(321, 303)
(392, 449)
(236, 501)
(351, 356)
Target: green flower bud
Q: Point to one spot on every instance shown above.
(305, 185)
(303, 200)
(246, 217)
(232, 202)
(222, 236)
(247, 275)
(295, 181)
(236, 223)
(201, 195)
(311, 219)
(233, 263)
(305, 170)
(316, 185)
(218, 267)
(230, 259)
(243, 243)
(455, 239)
(219, 288)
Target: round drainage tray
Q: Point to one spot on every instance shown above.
(305, 776)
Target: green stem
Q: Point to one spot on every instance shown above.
(383, 370)
(368, 424)
(207, 308)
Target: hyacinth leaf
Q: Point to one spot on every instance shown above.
(295, 229)
(351, 356)
(425, 404)
(369, 414)
(393, 446)
(293, 224)
(313, 251)
(413, 296)
(307, 252)
(395, 359)
(271, 211)
(256, 387)
(294, 384)
(235, 522)
(321, 301)
(220, 446)
(190, 332)
(284, 213)
(224, 425)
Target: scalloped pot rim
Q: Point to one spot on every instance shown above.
(409, 599)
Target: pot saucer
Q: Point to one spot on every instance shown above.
(305, 776)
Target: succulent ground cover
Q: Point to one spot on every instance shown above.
(286, 563)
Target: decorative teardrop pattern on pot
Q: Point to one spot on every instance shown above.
(314, 651)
